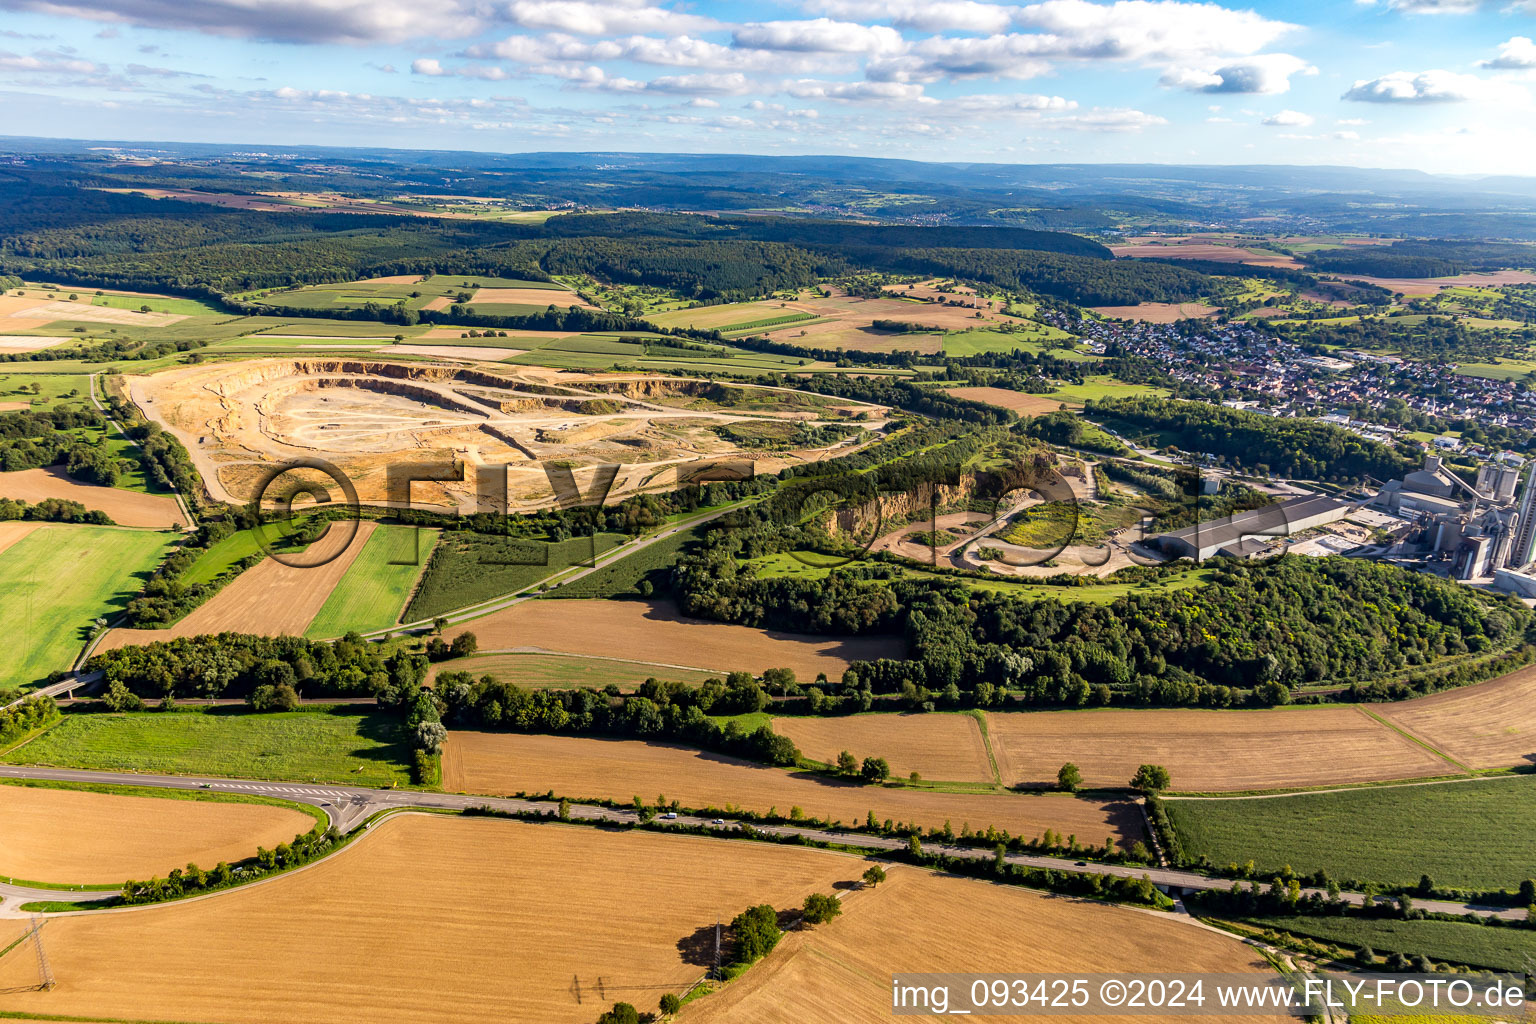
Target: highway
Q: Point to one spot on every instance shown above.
(349, 807)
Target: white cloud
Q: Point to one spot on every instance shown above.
(1289, 119)
(1433, 86)
(1009, 103)
(858, 92)
(673, 51)
(1427, 6)
(821, 35)
(48, 62)
(938, 16)
(1265, 74)
(1149, 29)
(298, 21)
(427, 66)
(1515, 53)
(605, 18)
(1347, 136)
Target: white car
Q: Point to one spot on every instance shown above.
(670, 815)
(718, 821)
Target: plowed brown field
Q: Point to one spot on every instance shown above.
(497, 764)
(1491, 725)
(13, 531)
(271, 599)
(940, 747)
(1209, 751)
(1018, 401)
(655, 631)
(448, 920)
(1157, 312)
(127, 508)
(924, 923)
(78, 837)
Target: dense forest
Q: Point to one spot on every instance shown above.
(1421, 258)
(1299, 448)
(92, 237)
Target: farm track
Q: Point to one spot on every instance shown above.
(352, 807)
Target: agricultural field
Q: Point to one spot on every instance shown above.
(1209, 751)
(1029, 337)
(376, 586)
(948, 747)
(17, 389)
(126, 507)
(490, 296)
(340, 745)
(56, 579)
(1468, 835)
(429, 955)
(926, 923)
(1095, 388)
(1157, 312)
(1491, 725)
(1020, 402)
(470, 568)
(622, 577)
(503, 764)
(271, 599)
(565, 671)
(620, 629)
(82, 837)
(1504, 949)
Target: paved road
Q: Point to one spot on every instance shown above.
(67, 684)
(350, 806)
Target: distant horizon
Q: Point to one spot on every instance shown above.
(103, 143)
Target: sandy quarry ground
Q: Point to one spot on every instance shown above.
(919, 922)
(364, 414)
(1157, 312)
(504, 764)
(84, 838)
(1018, 401)
(271, 599)
(1209, 751)
(938, 747)
(1490, 725)
(127, 508)
(449, 920)
(656, 631)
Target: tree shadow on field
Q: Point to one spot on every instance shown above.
(698, 947)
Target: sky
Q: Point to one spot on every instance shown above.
(1447, 86)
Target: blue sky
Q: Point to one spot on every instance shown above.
(1440, 85)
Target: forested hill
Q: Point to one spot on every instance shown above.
(89, 237)
(1422, 258)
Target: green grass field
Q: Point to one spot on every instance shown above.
(377, 584)
(1055, 523)
(553, 671)
(1473, 835)
(1094, 388)
(1504, 369)
(56, 581)
(157, 304)
(222, 555)
(51, 388)
(343, 746)
(1475, 944)
(468, 568)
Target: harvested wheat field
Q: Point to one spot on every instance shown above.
(940, 747)
(1212, 251)
(1018, 401)
(655, 631)
(127, 508)
(1157, 312)
(1209, 751)
(502, 764)
(77, 837)
(467, 353)
(271, 599)
(926, 923)
(528, 297)
(1490, 725)
(29, 342)
(428, 918)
